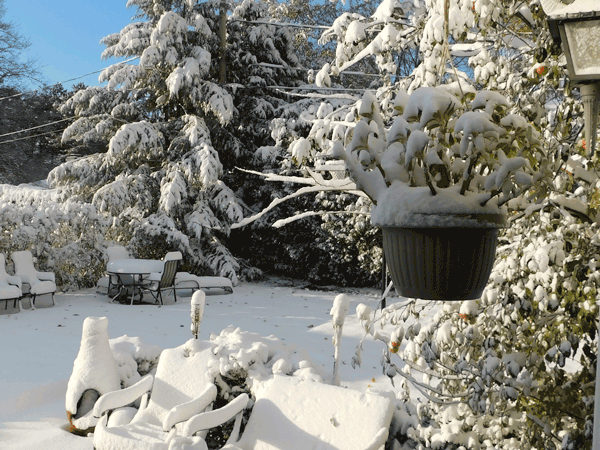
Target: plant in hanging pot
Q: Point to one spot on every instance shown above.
(440, 177)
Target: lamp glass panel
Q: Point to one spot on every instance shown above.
(584, 44)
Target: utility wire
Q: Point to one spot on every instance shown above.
(311, 88)
(281, 24)
(345, 72)
(29, 137)
(66, 81)
(39, 126)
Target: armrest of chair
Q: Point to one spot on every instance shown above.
(15, 281)
(211, 419)
(184, 411)
(46, 276)
(123, 397)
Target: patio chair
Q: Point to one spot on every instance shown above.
(34, 283)
(110, 283)
(182, 388)
(293, 413)
(158, 282)
(10, 286)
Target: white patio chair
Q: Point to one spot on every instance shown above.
(108, 283)
(182, 387)
(34, 283)
(10, 286)
(293, 413)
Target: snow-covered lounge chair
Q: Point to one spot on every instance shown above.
(10, 286)
(188, 281)
(34, 283)
(185, 280)
(182, 388)
(109, 284)
(291, 413)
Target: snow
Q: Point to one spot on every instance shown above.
(401, 205)
(289, 326)
(315, 415)
(555, 8)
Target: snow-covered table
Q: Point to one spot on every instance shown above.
(131, 273)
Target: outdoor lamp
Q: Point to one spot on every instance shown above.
(197, 306)
(577, 28)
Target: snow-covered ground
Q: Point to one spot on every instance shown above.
(40, 346)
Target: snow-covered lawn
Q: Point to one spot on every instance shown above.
(39, 346)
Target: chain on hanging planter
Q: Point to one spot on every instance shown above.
(440, 175)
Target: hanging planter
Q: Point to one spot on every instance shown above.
(443, 263)
(440, 177)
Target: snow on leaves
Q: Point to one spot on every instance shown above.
(173, 193)
(441, 142)
(214, 99)
(129, 42)
(130, 195)
(141, 138)
(192, 70)
(201, 221)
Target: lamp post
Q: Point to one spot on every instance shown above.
(577, 28)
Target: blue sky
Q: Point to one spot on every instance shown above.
(65, 34)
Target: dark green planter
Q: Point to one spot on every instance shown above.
(451, 263)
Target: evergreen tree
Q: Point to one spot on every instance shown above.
(174, 133)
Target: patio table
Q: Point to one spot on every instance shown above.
(131, 273)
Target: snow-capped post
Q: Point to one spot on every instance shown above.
(198, 301)
(339, 310)
(441, 176)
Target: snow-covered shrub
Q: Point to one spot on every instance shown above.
(64, 235)
(135, 358)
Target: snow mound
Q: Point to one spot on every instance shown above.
(260, 356)
(299, 414)
(134, 357)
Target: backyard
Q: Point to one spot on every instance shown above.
(42, 344)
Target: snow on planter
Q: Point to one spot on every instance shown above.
(441, 154)
(95, 372)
